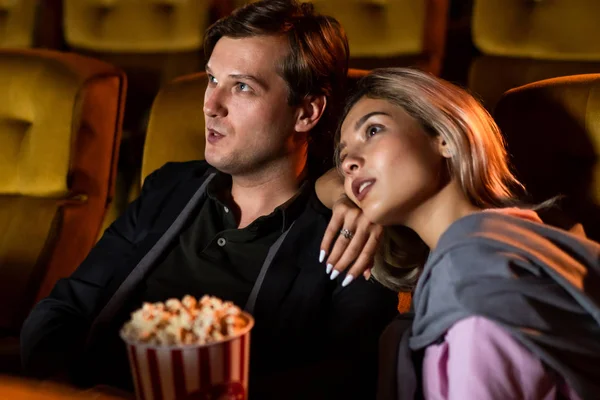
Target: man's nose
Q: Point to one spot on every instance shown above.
(214, 103)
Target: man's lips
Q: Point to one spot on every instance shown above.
(213, 136)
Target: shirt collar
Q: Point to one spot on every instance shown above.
(285, 214)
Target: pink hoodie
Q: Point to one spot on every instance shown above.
(479, 360)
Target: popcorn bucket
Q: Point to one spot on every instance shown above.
(214, 371)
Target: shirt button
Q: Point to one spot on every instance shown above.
(226, 209)
(221, 242)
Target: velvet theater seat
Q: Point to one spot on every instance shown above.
(136, 26)
(60, 126)
(390, 32)
(523, 41)
(154, 41)
(552, 129)
(17, 23)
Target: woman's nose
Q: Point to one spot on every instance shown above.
(352, 164)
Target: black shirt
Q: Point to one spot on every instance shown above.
(213, 256)
(210, 256)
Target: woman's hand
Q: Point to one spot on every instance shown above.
(356, 241)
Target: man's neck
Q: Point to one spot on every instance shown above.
(253, 196)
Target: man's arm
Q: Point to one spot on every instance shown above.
(57, 327)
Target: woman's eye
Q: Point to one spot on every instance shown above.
(212, 79)
(373, 130)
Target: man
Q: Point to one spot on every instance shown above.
(244, 226)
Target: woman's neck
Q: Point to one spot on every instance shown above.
(434, 217)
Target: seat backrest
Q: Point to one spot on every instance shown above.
(60, 121)
(539, 29)
(385, 28)
(136, 26)
(17, 23)
(176, 126)
(552, 129)
(389, 29)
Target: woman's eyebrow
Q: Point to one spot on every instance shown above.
(365, 117)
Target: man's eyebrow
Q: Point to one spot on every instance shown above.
(252, 78)
(365, 117)
(246, 77)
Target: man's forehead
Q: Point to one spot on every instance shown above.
(258, 55)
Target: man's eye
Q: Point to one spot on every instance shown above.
(243, 87)
(212, 79)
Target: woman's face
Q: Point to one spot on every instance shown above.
(390, 164)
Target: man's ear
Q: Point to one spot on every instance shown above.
(310, 112)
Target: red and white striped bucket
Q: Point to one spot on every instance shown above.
(200, 372)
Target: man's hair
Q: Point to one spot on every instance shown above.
(317, 62)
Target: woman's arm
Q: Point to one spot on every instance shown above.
(330, 187)
(358, 247)
(479, 359)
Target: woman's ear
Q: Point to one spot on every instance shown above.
(443, 147)
(310, 112)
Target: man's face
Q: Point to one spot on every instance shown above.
(249, 123)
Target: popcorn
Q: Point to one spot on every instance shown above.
(185, 322)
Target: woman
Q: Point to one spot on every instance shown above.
(505, 307)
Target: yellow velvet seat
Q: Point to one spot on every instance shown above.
(153, 41)
(60, 125)
(156, 39)
(523, 41)
(390, 32)
(136, 26)
(17, 23)
(552, 128)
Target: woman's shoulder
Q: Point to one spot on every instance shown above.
(513, 231)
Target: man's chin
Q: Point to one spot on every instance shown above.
(222, 165)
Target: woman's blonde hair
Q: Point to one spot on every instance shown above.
(478, 159)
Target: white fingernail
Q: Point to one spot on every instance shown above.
(329, 268)
(334, 274)
(321, 256)
(347, 280)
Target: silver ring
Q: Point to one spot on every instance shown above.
(346, 233)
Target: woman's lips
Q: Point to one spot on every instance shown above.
(362, 187)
